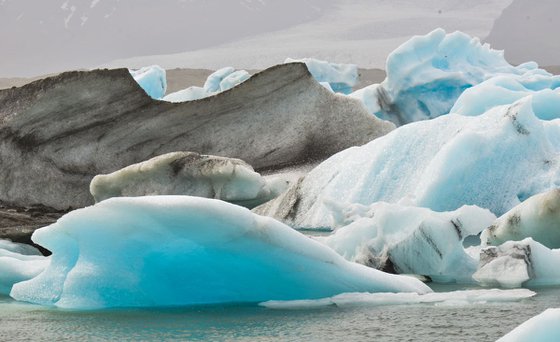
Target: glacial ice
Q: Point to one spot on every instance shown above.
(518, 263)
(180, 250)
(224, 79)
(494, 161)
(506, 89)
(538, 217)
(189, 173)
(541, 328)
(219, 81)
(411, 240)
(152, 79)
(427, 74)
(455, 298)
(340, 77)
(18, 262)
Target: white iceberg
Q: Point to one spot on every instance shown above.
(340, 77)
(538, 217)
(518, 263)
(411, 240)
(18, 262)
(188, 94)
(506, 89)
(541, 328)
(152, 79)
(427, 74)
(180, 250)
(455, 298)
(494, 161)
(219, 81)
(189, 173)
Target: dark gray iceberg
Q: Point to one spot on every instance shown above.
(56, 134)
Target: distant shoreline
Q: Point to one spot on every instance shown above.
(181, 78)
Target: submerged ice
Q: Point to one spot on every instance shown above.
(179, 250)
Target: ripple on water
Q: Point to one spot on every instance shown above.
(420, 322)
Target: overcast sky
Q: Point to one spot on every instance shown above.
(41, 37)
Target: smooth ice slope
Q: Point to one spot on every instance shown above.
(189, 173)
(541, 328)
(180, 250)
(152, 79)
(426, 75)
(506, 89)
(538, 218)
(340, 77)
(411, 240)
(495, 161)
(18, 262)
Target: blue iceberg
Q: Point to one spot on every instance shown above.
(506, 89)
(179, 250)
(219, 81)
(494, 160)
(543, 328)
(427, 74)
(340, 77)
(152, 79)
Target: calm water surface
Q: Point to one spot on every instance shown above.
(422, 322)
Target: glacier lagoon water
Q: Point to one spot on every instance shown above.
(422, 322)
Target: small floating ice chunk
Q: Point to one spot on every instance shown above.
(518, 263)
(464, 297)
(152, 79)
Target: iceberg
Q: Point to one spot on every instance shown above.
(189, 173)
(541, 328)
(180, 250)
(518, 263)
(455, 298)
(506, 89)
(18, 262)
(219, 81)
(152, 79)
(411, 240)
(340, 77)
(494, 161)
(427, 74)
(538, 217)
